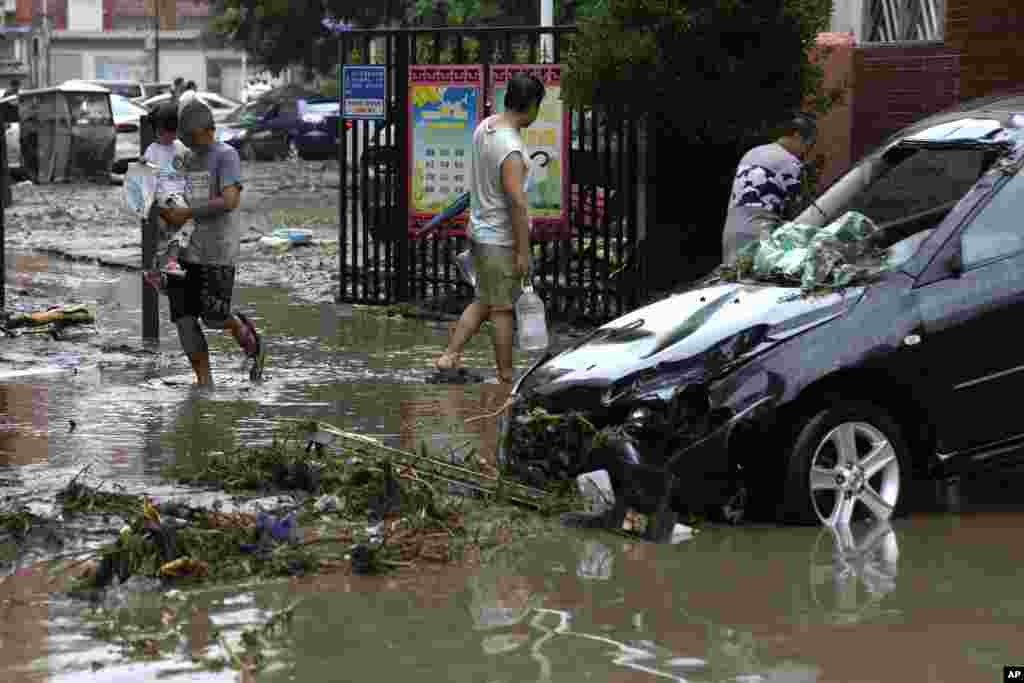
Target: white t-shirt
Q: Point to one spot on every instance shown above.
(169, 177)
(490, 221)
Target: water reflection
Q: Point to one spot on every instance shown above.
(24, 424)
(852, 570)
(445, 416)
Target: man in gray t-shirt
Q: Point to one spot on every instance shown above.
(213, 191)
(766, 185)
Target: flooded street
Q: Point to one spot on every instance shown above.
(933, 598)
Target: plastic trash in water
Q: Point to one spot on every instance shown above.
(596, 489)
(271, 530)
(530, 316)
(294, 235)
(283, 239)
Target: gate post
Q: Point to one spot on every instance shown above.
(4, 198)
(402, 205)
(150, 297)
(342, 172)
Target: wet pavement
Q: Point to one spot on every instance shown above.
(934, 597)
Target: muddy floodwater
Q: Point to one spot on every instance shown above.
(933, 597)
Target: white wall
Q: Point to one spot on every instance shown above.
(85, 15)
(189, 64)
(848, 17)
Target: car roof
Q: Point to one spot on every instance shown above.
(971, 115)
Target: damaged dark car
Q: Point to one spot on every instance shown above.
(814, 381)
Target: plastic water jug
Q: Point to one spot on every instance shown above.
(533, 327)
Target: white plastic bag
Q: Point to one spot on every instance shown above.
(140, 188)
(533, 326)
(464, 262)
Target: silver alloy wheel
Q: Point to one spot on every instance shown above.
(854, 463)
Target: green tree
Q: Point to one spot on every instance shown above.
(284, 33)
(711, 78)
(267, 29)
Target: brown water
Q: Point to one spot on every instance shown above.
(934, 598)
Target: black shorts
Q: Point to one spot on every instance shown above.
(204, 292)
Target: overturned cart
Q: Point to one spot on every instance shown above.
(67, 133)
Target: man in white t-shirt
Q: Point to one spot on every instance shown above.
(767, 185)
(499, 224)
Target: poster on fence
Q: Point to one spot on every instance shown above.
(547, 143)
(445, 104)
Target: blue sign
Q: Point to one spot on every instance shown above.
(364, 92)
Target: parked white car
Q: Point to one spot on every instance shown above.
(220, 106)
(127, 119)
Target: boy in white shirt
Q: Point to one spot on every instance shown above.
(168, 154)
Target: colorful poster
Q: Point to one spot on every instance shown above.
(547, 143)
(445, 104)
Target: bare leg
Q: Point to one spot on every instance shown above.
(469, 324)
(504, 322)
(201, 367)
(237, 330)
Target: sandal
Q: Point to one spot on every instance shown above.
(448, 361)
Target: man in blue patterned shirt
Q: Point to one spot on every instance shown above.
(767, 185)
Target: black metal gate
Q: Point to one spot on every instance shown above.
(588, 270)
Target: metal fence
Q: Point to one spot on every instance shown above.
(585, 268)
(4, 199)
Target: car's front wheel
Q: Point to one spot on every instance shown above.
(849, 462)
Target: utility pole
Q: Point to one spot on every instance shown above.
(156, 41)
(547, 48)
(46, 46)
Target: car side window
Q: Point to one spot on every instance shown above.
(998, 229)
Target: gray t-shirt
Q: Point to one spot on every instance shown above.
(216, 240)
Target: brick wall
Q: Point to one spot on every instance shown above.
(987, 34)
(835, 53)
(894, 86)
(140, 8)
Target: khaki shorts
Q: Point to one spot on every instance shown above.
(497, 284)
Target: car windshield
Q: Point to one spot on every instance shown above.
(249, 113)
(873, 219)
(123, 89)
(322, 108)
(125, 109)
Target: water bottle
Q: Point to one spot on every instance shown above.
(533, 328)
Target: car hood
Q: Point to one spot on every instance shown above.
(685, 326)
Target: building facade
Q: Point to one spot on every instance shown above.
(117, 40)
(907, 59)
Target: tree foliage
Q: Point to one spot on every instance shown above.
(712, 78)
(283, 33)
(710, 69)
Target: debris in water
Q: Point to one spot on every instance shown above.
(68, 314)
